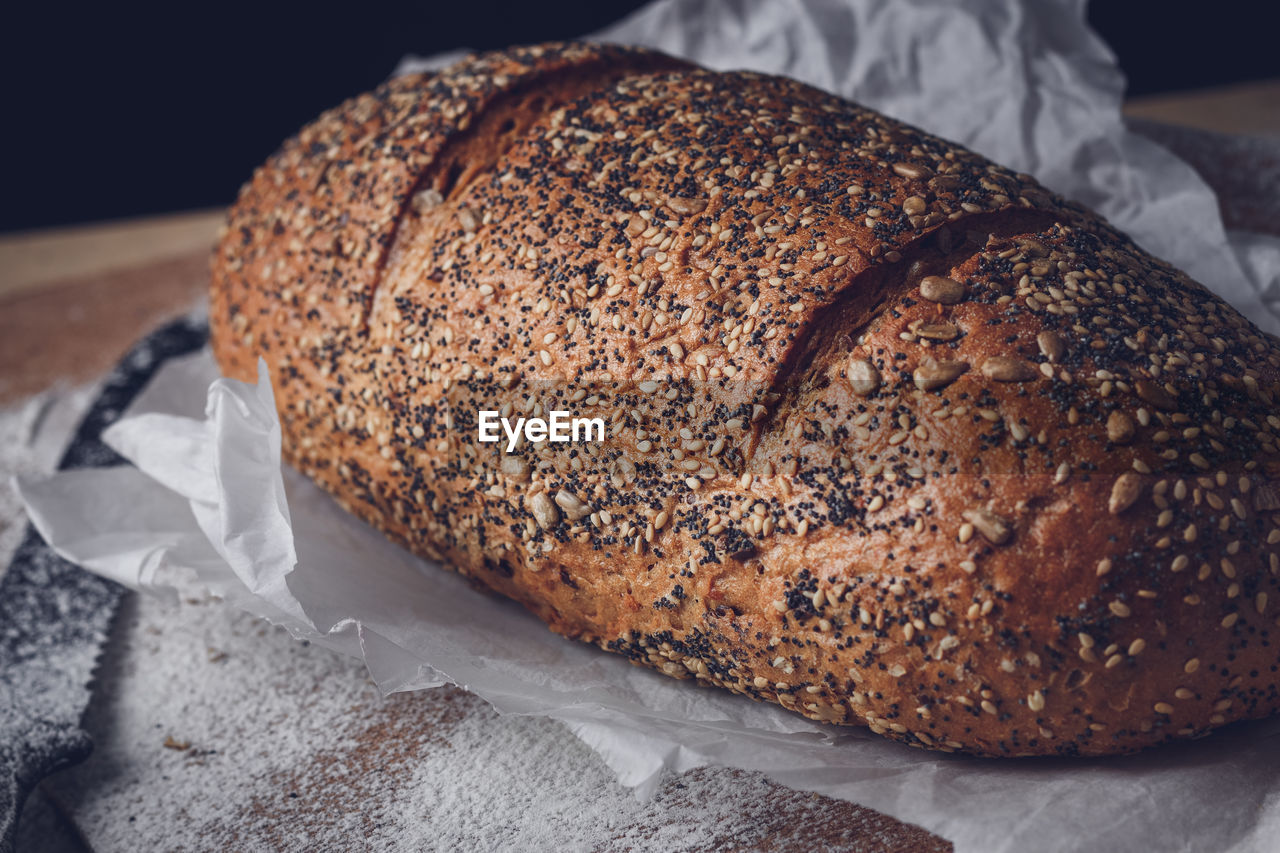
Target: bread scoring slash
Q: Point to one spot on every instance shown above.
(895, 436)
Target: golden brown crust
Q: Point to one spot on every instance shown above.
(896, 436)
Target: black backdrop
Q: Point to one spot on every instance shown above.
(114, 112)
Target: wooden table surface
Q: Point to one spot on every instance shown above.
(72, 300)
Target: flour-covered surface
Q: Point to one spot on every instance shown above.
(33, 433)
(54, 616)
(215, 731)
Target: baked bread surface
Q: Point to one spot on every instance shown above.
(896, 436)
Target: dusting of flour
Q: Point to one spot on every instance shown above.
(214, 730)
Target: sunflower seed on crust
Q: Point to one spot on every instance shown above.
(996, 529)
(1003, 368)
(933, 374)
(938, 288)
(1125, 492)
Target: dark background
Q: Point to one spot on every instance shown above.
(113, 112)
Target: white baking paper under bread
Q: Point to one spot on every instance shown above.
(1026, 84)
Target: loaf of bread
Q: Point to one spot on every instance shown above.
(894, 435)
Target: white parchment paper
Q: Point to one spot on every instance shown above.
(1024, 83)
